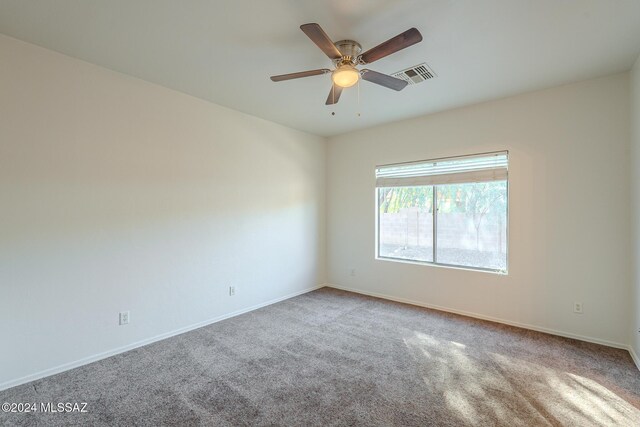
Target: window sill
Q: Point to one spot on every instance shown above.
(435, 264)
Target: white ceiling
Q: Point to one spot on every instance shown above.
(225, 50)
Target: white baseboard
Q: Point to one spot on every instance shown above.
(493, 319)
(113, 352)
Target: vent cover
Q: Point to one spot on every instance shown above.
(416, 74)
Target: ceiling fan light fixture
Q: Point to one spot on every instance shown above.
(345, 76)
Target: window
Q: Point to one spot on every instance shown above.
(450, 212)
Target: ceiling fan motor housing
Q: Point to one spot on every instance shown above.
(350, 50)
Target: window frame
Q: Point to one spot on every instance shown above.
(435, 263)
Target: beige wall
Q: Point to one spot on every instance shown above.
(121, 195)
(635, 199)
(568, 208)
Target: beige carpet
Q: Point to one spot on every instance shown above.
(336, 358)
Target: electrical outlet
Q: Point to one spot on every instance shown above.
(232, 291)
(124, 317)
(577, 307)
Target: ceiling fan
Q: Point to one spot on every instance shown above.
(346, 55)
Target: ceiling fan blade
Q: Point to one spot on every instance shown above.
(399, 42)
(321, 39)
(301, 74)
(383, 80)
(334, 95)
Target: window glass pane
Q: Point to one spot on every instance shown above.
(405, 222)
(471, 225)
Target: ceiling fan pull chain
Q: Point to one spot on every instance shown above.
(358, 113)
(333, 97)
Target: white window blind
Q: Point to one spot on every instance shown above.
(454, 170)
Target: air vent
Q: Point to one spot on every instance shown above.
(416, 74)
